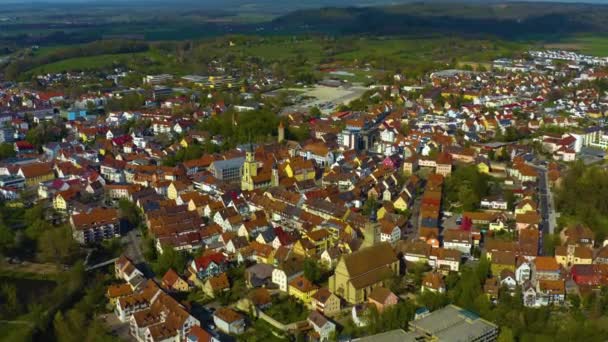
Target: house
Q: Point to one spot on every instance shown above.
(389, 232)
(209, 265)
(502, 260)
(95, 225)
(198, 334)
(569, 255)
(526, 206)
(125, 269)
(527, 220)
(545, 268)
(578, 235)
(546, 292)
(358, 273)
(174, 282)
(323, 327)
(286, 271)
(433, 282)
(302, 289)
(259, 275)
(260, 298)
(154, 316)
(594, 276)
(116, 291)
(325, 302)
(458, 239)
(523, 272)
(215, 285)
(446, 259)
(229, 321)
(382, 298)
(36, 173)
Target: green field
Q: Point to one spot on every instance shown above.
(303, 53)
(594, 45)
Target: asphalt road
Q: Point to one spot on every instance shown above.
(546, 205)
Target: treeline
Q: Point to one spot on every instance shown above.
(479, 20)
(591, 184)
(17, 67)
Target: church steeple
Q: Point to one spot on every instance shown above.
(281, 132)
(274, 179)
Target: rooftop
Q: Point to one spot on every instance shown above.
(453, 323)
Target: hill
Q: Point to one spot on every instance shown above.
(505, 20)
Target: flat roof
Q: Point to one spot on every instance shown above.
(397, 335)
(453, 323)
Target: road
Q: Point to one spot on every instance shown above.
(412, 229)
(546, 205)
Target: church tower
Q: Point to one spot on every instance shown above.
(250, 170)
(274, 180)
(281, 132)
(371, 234)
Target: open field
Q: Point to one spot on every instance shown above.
(595, 45)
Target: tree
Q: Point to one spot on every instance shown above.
(7, 151)
(312, 271)
(506, 335)
(129, 212)
(7, 238)
(57, 245)
(315, 112)
(170, 258)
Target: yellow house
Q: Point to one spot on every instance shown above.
(402, 202)
(497, 225)
(36, 173)
(184, 143)
(175, 189)
(483, 167)
(303, 289)
(525, 206)
(215, 285)
(570, 255)
(357, 274)
(304, 247)
(59, 203)
(300, 169)
(173, 282)
(502, 261)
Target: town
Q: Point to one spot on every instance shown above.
(464, 205)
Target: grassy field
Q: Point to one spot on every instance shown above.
(588, 44)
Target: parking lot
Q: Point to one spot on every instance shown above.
(327, 99)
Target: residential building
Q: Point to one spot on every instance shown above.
(96, 225)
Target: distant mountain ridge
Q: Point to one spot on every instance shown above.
(508, 20)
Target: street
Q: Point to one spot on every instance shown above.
(547, 208)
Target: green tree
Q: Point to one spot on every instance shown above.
(57, 245)
(170, 258)
(312, 271)
(7, 151)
